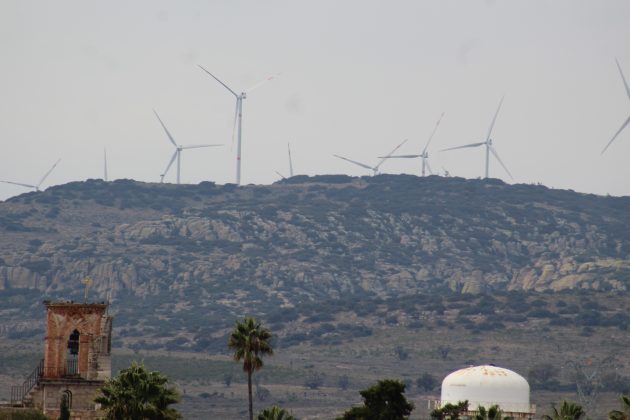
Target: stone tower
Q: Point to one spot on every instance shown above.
(77, 360)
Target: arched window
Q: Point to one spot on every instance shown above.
(72, 357)
(67, 395)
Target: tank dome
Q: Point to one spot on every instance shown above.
(487, 385)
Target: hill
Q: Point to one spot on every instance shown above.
(321, 236)
(358, 277)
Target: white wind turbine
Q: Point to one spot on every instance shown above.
(35, 187)
(488, 144)
(628, 119)
(424, 155)
(178, 151)
(374, 169)
(238, 116)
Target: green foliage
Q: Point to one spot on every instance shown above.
(492, 413)
(542, 375)
(21, 414)
(250, 342)
(426, 382)
(568, 411)
(136, 393)
(624, 413)
(383, 401)
(274, 413)
(450, 411)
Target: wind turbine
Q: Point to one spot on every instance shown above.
(178, 150)
(105, 165)
(35, 187)
(424, 155)
(238, 116)
(374, 169)
(488, 144)
(628, 119)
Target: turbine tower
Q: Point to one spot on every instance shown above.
(628, 119)
(374, 169)
(178, 151)
(424, 155)
(488, 144)
(290, 161)
(238, 116)
(105, 165)
(36, 186)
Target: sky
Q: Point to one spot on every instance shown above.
(355, 79)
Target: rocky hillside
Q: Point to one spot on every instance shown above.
(310, 237)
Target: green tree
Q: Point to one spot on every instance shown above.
(568, 411)
(492, 413)
(383, 401)
(624, 413)
(450, 411)
(542, 375)
(426, 382)
(274, 413)
(250, 341)
(137, 393)
(64, 410)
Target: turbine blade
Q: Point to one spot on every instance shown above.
(495, 118)
(463, 147)
(165, 129)
(389, 154)
(400, 156)
(20, 184)
(616, 134)
(280, 175)
(496, 155)
(169, 164)
(197, 146)
(47, 173)
(432, 134)
(363, 165)
(262, 82)
(623, 78)
(217, 79)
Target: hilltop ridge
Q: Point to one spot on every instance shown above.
(322, 235)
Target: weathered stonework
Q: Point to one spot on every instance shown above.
(77, 373)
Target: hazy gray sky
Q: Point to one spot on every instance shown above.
(357, 78)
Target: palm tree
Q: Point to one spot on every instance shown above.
(274, 413)
(250, 342)
(621, 415)
(568, 411)
(137, 393)
(492, 413)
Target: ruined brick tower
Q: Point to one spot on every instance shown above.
(77, 361)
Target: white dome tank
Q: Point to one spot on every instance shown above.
(487, 385)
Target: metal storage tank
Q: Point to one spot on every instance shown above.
(488, 385)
